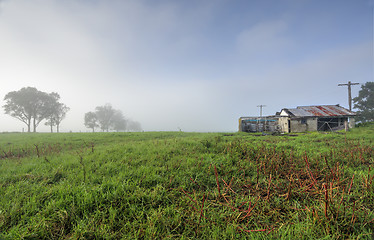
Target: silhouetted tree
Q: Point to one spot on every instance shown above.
(56, 111)
(133, 126)
(104, 116)
(90, 120)
(118, 122)
(51, 105)
(60, 114)
(365, 102)
(28, 105)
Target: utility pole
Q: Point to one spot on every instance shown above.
(349, 84)
(261, 106)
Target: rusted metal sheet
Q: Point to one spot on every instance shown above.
(340, 110)
(321, 111)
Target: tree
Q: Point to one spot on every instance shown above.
(118, 122)
(51, 105)
(60, 114)
(28, 105)
(134, 126)
(104, 116)
(365, 102)
(56, 111)
(90, 120)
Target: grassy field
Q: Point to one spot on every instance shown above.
(175, 185)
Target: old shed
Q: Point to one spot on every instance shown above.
(315, 118)
(259, 124)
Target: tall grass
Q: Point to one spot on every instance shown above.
(175, 185)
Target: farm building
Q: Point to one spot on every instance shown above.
(315, 118)
(259, 124)
(301, 119)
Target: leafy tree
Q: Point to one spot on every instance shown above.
(134, 126)
(90, 120)
(19, 105)
(118, 122)
(28, 105)
(365, 102)
(51, 104)
(105, 116)
(60, 114)
(56, 111)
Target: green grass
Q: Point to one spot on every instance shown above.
(175, 185)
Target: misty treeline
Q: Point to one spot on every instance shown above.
(32, 106)
(364, 102)
(107, 118)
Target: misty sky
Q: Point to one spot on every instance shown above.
(195, 65)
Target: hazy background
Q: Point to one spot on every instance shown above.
(196, 65)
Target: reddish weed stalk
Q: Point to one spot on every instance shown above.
(201, 211)
(308, 169)
(326, 199)
(215, 172)
(350, 186)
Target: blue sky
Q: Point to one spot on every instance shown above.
(193, 65)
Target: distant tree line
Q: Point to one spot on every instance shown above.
(109, 119)
(32, 106)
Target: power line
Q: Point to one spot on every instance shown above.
(349, 84)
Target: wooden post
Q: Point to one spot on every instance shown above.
(346, 125)
(349, 84)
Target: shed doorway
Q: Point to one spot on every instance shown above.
(330, 124)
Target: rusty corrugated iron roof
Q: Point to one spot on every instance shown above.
(320, 111)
